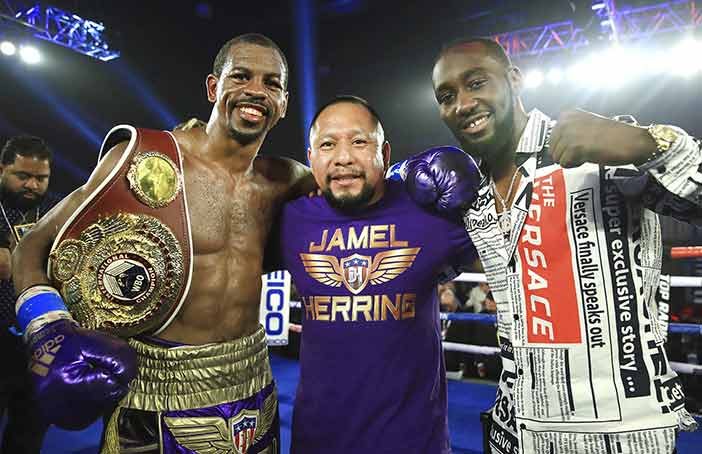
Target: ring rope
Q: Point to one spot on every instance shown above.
(683, 368)
(675, 281)
(491, 319)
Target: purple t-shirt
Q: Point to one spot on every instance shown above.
(372, 377)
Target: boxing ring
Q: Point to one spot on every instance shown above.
(491, 319)
(467, 399)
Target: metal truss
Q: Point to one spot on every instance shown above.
(63, 28)
(536, 41)
(606, 10)
(636, 24)
(628, 25)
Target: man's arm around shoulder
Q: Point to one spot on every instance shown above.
(295, 178)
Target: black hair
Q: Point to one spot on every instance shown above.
(27, 146)
(347, 99)
(493, 48)
(248, 38)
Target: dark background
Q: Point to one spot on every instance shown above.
(380, 50)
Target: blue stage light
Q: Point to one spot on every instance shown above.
(62, 163)
(165, 116)
(305, 38)
(66, 29)
(72, 119)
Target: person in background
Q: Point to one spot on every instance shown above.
(477, 296)
(25, 170)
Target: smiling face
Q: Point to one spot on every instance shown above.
(476, 98)
(249, 94)
(349, 155)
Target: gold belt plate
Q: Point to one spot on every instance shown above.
(123, 274)
(154, 179)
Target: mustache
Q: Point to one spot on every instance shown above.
(466, 118)
(353, 174)
(251, 101)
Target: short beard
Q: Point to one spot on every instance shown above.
(493, 153)
(244, 138)
(350, 203)
(15, 200)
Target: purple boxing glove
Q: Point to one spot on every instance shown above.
(443, 177)
(79, 374)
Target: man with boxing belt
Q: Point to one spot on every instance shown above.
(366, 261)
(566, 224)
(164, 246)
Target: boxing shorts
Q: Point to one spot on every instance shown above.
(190, 399)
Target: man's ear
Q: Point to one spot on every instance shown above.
(516, 79)
(386, 155)
(284, 110)
(211, 86)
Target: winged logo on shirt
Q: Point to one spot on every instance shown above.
(357, 271)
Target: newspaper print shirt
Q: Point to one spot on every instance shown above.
(584, 369)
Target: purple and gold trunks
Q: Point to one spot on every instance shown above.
(191, 399)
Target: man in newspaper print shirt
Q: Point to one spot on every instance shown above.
(366, 260)
(572, 252)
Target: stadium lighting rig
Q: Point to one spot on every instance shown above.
(613, 67)
(54, 25)
(633, 37)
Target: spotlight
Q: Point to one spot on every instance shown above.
(574, 72)
(534, 78)
(30, 55)
(554, 76)
(601, 69)
(581, 73)
(616, 66)
(8, 48)
(685, 64)
(664, 59)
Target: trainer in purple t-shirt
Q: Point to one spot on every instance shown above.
(366, 262)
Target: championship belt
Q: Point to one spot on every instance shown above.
(123, 261)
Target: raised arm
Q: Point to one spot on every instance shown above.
(658, 164)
